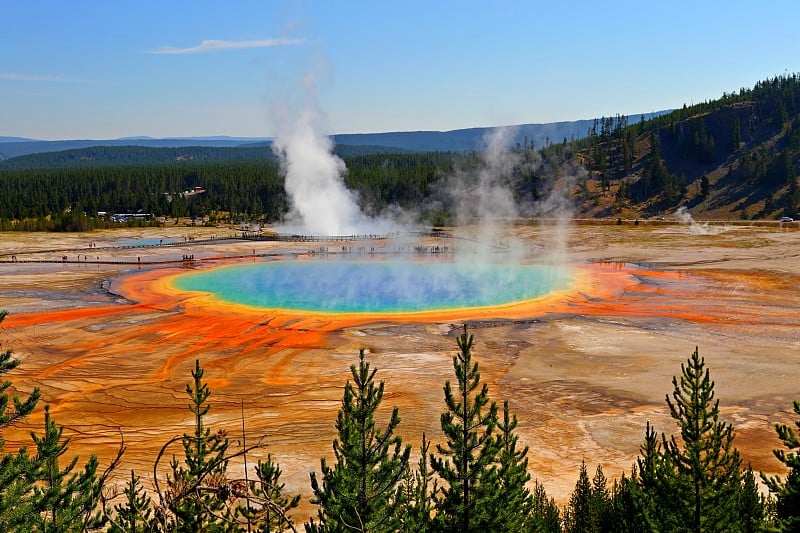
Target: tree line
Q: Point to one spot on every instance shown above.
(68, 199)
(476, 478)
(249, 189)
(104, 156)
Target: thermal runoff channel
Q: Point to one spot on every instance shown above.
(339, 286)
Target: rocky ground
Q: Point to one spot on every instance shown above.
(111, 344)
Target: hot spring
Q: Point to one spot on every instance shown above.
(376, 286)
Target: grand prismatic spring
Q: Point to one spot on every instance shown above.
(110, 336)
(382, 287)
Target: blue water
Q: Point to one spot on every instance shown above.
(374, 286)
(143, 242)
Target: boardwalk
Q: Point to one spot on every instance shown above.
(151, 253)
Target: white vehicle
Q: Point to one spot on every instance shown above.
(787, 219)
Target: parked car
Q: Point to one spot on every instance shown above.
(787, 219)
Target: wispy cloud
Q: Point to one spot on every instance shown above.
(16, 76)
(217, 45)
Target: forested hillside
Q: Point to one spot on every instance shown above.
(734, 157)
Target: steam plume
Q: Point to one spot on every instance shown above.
(320, 202)
(685, 217)
(483, 197)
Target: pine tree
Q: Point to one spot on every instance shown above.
(20, 408)
(787, 491)
(420, 486)
(706, 464)
(655, 488)
(17, 476)
(736, 135)
(622, 194)
(16, 471)
(272, 513)
(198, 487)
(467, 461)
(751, 504)
(578, 513)
(362, 491)
(515, 514)
(546, 517)
(626, 504)
(135, 514)
(600, 506)
(63, 500)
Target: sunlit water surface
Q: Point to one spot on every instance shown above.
(375, 286)
(143, 242)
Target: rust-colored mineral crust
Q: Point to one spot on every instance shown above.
(583, 369)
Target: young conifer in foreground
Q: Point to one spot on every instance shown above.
(38, 493)
(19, 408)
(467, 462)
(706, 464)
(272, 511)
(194, 495)
(600, 504)
(16, 480)
(578, 513)
(695, 483)
(626, 511)
(752, 504)
(420, 486)
(200, 494)
(135, 514)
(63, 499)
(546, 514)
(362, 491)
(787, 490)
(517, 512)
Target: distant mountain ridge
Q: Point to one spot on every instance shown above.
(474, 139)
(102, 156)
(14, 139)
(18, 148)
(461, 140)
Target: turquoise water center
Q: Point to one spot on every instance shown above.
(376, 286)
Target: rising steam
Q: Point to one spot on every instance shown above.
(321, 204)
(695, 228)
(481, 197)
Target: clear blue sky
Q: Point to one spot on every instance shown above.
(115, 68)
